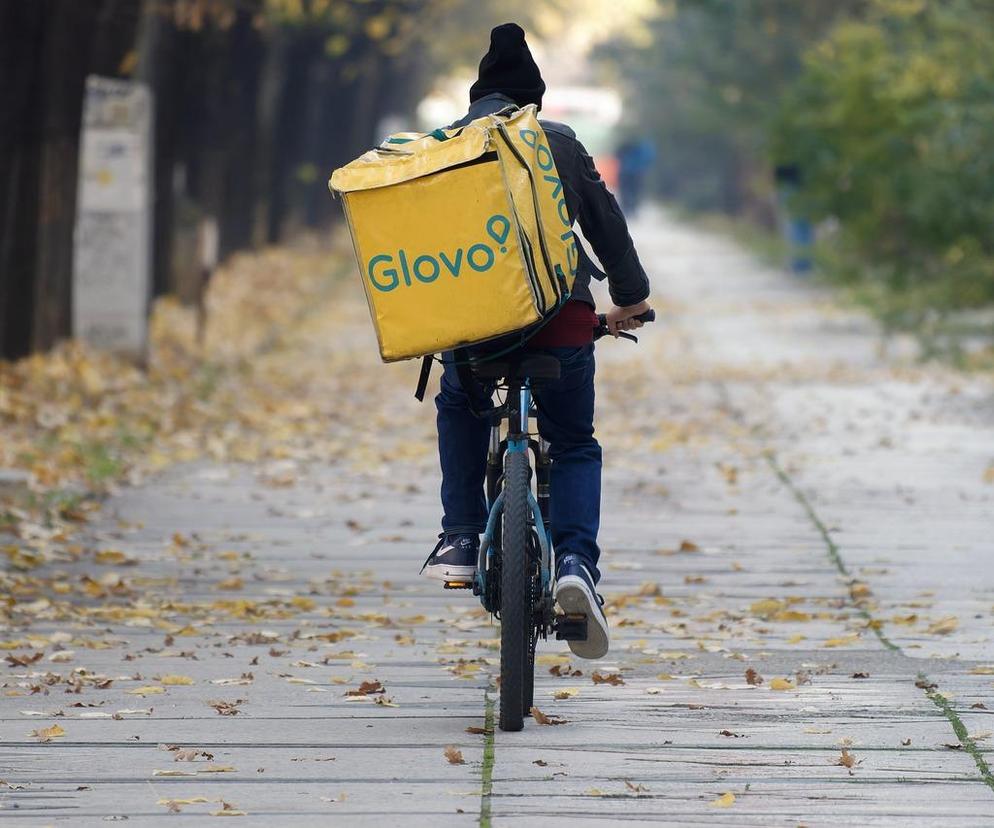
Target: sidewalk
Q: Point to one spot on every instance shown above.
(797, 557)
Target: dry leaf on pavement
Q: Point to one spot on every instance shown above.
(943, 626)
(367, 688)
(454, 755)
(542, 719)
(46, 734)
(566, 693)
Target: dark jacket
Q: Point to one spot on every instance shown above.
(590, 202)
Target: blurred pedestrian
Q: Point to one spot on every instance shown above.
(635, 159)
(797, 230)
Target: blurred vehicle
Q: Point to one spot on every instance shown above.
(592, 111)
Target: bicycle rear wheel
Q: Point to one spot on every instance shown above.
(515, 594)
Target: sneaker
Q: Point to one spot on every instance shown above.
(453, 559)
(576, 595)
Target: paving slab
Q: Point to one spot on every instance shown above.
(796, 562)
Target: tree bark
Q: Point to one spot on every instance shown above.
(156, 67)
(22, 29)
(243, 69)
(71, 49)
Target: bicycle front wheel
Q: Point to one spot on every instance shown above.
(515, 594)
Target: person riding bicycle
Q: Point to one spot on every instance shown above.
(509, 76)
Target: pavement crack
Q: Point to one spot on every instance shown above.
(487, 770)
(969, 745)
(922, 680)
(834, 555)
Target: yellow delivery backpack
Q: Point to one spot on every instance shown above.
(461, 235)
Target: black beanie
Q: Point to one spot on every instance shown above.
(508, 68)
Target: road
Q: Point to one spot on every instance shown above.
(797, 561)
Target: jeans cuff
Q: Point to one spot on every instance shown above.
(463, 530)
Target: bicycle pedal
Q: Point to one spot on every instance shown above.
(458, 585)
(571, 627)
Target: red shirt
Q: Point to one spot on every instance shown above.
(572, 327)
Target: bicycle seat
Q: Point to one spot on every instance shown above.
(526, 366)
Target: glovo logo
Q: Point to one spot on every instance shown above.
(543, 157)
(427, 268)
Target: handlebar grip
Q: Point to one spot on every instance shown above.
(648, 316)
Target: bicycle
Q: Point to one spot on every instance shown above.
(514, 575)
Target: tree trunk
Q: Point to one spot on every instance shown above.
(272, 87)
(80, 36)
(22, 31)
(243, 68)
(157, 67)
(64, 64)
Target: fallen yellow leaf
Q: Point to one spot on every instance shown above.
(46, 734)
(841, 641)
(112, 557)
(726, 800)
(781, 684)
(147, 691)
(943, 626)
(767, 606)
(791, 615)
(176, 680)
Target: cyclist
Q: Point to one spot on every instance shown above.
(509, 76)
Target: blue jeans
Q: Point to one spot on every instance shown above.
(565, 418)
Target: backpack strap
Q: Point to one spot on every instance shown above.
(587, 263)
(470, 385)
(419, 393)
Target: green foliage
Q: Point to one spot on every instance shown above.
(705, 85)
(892, 124)
(445, 32)
(886, 108)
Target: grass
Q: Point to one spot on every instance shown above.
(833, 551)
(487, 771)
(922, 680)
(960, 730)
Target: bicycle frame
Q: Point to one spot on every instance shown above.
(517, 412)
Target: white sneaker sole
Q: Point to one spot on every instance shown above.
(574, 598)
(447, 572)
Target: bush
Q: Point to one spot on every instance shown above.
(891, 124)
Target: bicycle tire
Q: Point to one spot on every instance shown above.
(528, 691)
(515, 593)
(535, 590)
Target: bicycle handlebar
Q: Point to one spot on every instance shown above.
(603, 330)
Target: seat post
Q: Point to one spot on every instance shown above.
(517, 426)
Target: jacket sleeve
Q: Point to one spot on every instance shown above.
(604, 226)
